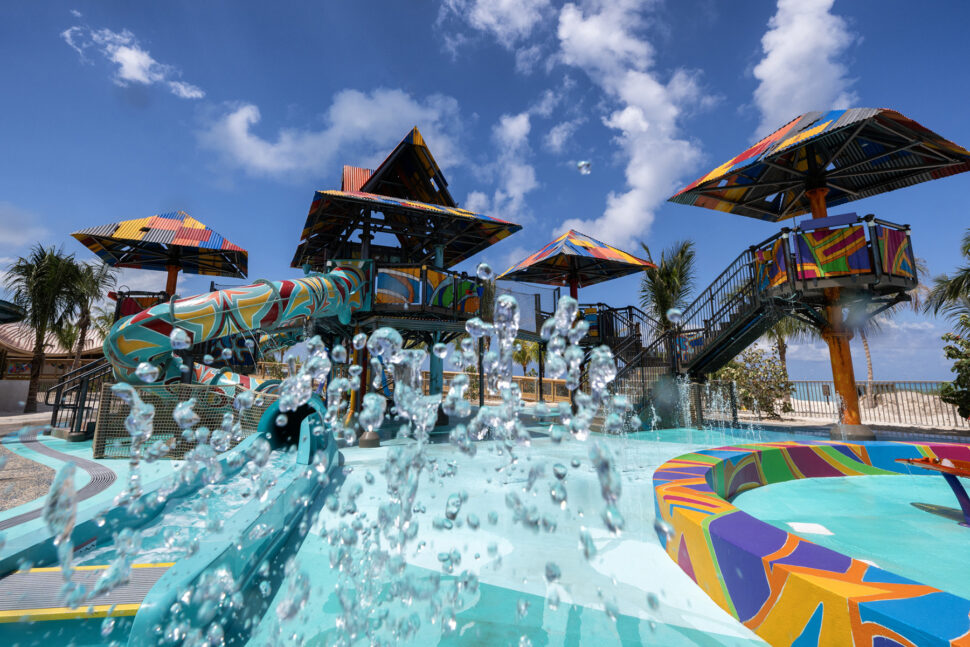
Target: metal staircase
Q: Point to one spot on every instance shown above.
(76, 397)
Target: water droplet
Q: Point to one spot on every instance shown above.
(675, 316)
(208, 359)
(553, 572)
(281, 420)
(586, 543)
(250, 344)
(226, 354)
(652, 601)
(440, 350)
(180, 339)
(559, 471)
(484, 272)
(557, 492)
(360, 340)
(453, 506)
(339, 354)
(473, 521)
(664, 530)
(147, 372)
(585, 167)
(522, 609)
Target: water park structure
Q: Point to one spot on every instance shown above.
(117, 552)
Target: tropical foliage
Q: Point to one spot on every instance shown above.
(525, 353)
(762, 384)
(41, 283)
(957, 348)
(668, 285)
(950, 294)
(91, 281)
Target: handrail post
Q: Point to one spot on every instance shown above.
(875, 250)
(82, 397)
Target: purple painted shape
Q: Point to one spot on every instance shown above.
(747, 474)
(740, 543)
(700, 487)
(811, 464)
(683, 560)
(830, 221)
(699, 470)
(817, 557)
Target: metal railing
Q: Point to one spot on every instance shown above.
(899, 403)
(77, 396)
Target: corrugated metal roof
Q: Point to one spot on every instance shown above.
(354, 178)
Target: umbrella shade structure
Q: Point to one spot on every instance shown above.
(853, 153)
(575, 259)
(166, 242)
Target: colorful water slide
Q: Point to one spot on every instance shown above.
(263, 306)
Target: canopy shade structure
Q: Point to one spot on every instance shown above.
(10, 312)
(409, 172)
(166, 242)
(852, 153)
(419, 227)
(575, 259)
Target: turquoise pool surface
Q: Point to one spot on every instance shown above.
(904, 524)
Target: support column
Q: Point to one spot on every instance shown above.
(574, 287)
(436, 376)
(840, 354)
(173, 276)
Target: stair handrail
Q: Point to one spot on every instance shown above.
(73, 378)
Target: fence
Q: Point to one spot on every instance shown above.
(112, 440)
(905, 404)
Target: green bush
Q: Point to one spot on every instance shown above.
(957, 392)
(761, 382)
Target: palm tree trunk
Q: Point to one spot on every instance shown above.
(865, 347)
(36, 364)
(83, 323)
(783, 357)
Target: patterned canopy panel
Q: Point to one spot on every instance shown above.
(464, 232)
(156, 242)
(855, 153)
(410, 171)
(576, 254)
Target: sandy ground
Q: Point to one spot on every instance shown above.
(21, 479)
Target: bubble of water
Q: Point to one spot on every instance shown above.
(653, 601)
(250, 344)
(385, 343)
(585, 167)
(586, 543)
(557, 492)
(147, 372)
(472, 521)
(440, 350)
(265, 589)
(360, 340)
(180, 339)
(184, 415)
(107, 626)
(208, 359)
(522, 609)
(675, 316)
(281, 420)
(553, 572)
(339, 354)
(372, 412)
(453, 506)
(484, 272)
(244, 400)
(559, 470)
(477, 328)
(226, 353)
(493, 517)
(664, 530)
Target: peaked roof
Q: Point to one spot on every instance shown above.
(155, 242)
(855, 153)
(418, 226)
(410, 172)
(354, 177)
(19, 339)
(590, 260)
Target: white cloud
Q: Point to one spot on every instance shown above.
(604, 42)
(555, 140)
(513, 174)
(19, 228)
(75, 13)
(509, 21)
(801, 69)
(364, 121)
(527, 58)
(135, 64)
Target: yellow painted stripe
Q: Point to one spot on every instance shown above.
(64, 613)
(94, 567)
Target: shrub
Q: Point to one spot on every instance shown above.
(761, 382)
(957, 392)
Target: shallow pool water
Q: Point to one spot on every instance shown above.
(183, 521)
(904, 524)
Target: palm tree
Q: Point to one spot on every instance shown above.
(789, 329)
(669, 284)
(103, 320)
(950, 295)
(41, 284)
(92, 282)
(525, 353)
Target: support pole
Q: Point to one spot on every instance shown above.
(574, 287)
(173, 275)
(837, 337)
(436, 376)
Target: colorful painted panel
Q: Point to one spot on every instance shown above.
(441, 288)
(591, 317)
(398, 285)
(825, 253)
(786, 589)
(771, 265)
(895, 251)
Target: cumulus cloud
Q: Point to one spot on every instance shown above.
(509, 21)
(604, 41)
(368, 123)
(514, 176)
(555, 140)
(802, 70)
(135, 65)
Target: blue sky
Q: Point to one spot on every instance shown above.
(236, 112)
